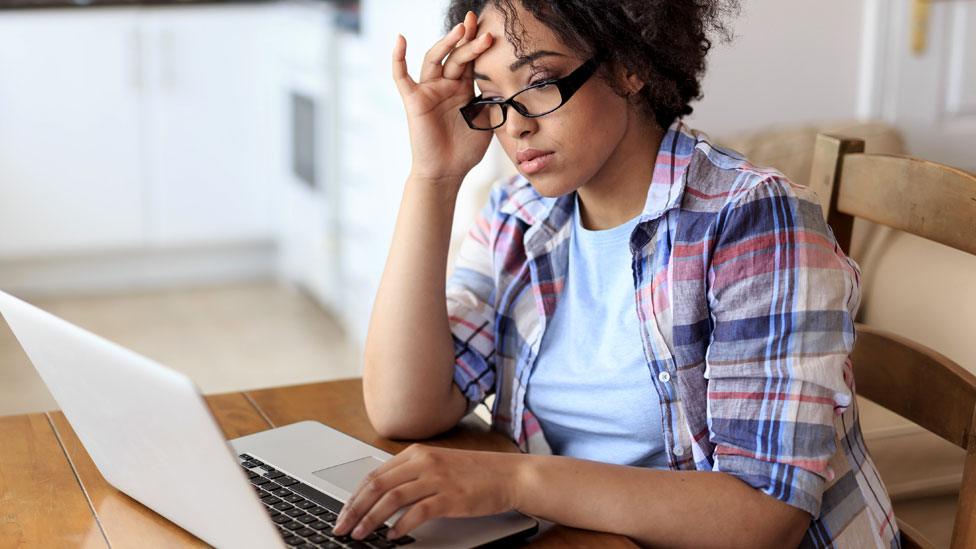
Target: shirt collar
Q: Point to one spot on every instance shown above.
(664, 193)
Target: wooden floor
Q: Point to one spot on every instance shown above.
(226, 339)
(262, 335)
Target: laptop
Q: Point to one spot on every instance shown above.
(152, 436)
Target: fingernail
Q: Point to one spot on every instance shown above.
(392, 534)
(359, 532)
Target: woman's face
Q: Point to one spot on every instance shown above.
(579, 137)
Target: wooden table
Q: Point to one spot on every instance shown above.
(51, 494)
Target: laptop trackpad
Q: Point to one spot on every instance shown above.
(348, 475)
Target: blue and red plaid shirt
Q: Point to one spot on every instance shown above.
(746, 305)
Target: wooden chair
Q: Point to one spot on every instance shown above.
(938, 203)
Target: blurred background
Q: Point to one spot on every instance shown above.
(214, 184)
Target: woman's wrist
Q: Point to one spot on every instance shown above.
(447, 182)
(438, 193)
(521, 480)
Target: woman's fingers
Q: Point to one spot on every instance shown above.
(461, 46)
(454, 68)
(432, 66)
(418, 513)
(459, 59)
(470, 28)
(374, 486)
(401, 77)
(371, 487)
(404, 495)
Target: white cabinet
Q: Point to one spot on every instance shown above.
(70, 151)
(304, 156)
(206, 124)
(364, 187)
(128, 127)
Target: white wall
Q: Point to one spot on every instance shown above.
(790, 62)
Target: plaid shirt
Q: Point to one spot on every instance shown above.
(746, 306)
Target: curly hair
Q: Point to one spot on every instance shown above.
(662, 42)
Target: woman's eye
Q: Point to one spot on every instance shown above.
(486, 95)
(540, 78)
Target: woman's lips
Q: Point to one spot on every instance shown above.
(530, 162)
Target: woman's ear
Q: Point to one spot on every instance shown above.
(633, 84)
(627, 81)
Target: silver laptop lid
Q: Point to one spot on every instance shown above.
(146, 428)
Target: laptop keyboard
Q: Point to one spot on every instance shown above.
(305, 516)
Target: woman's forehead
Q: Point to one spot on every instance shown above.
(502, 56)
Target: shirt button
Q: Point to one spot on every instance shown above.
(664, 377)
(679, 451)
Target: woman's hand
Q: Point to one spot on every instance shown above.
(443, 146)
(431, 483)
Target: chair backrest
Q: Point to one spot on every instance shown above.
(938, 203)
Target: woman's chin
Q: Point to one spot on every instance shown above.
(550, 187)
(550, 192)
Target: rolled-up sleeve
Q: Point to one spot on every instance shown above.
(470, 298)
(782, 297)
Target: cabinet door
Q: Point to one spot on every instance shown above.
(69, 131)
(206, 116)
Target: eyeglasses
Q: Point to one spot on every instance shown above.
(537, 100)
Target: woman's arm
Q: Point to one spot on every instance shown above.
(653, 507)
(409, 358)
(407, 378)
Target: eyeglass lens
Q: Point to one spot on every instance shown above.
(534, 101)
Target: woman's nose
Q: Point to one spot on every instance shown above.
(518, 126)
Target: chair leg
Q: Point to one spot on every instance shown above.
(964, 531)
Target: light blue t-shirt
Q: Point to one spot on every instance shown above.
(591, 387)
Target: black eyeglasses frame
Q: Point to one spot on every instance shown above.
(567, 86)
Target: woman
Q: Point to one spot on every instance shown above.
(671, 322)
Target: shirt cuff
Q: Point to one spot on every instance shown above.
(788, 483)
(472, 375)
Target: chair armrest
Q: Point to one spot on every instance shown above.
(911, 538)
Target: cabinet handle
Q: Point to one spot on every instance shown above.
(920, 25)
(921, 11)
(135, 59)
(167, 69)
